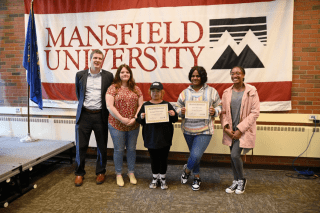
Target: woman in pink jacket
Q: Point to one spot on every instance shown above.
(240, 110)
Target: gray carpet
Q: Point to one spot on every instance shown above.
(267, 191)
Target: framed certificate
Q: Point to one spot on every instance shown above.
(197, 109)
(156, 113)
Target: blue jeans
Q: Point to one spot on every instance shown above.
(122, 139)
(197, 145)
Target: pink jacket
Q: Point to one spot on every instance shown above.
(249, 112)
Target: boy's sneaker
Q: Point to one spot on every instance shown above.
(241, 186)
(154, 183)
(233, 187)
(196, 184)
(184, 176)
(163, 183)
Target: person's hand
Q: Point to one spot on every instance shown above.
(237, 134)
(132, 121)
(212, 111)
(125, 121)
(183, 110)
(171, 113)
(128, 121)
(229, 132)
(143, 115)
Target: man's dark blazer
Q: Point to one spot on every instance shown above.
(81, 85)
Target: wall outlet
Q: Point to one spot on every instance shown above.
(312, 117)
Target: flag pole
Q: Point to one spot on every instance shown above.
(28, 138)
(29, 110)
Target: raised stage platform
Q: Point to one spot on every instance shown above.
(17, 157)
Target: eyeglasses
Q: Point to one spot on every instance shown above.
(235, 73)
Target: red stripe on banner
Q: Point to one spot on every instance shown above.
(268, 91)
(60, 91)
(80, 6)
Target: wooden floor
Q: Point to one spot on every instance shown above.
(267, 191)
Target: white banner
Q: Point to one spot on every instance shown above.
(163, 43)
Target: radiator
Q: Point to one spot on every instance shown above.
(272, 140)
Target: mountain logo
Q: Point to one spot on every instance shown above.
(238, 40)
(246, 59)
(238, 28)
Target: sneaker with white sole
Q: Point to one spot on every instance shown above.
(154, 183)
(196, 184)
(233, 187)
(184, 176)
(241, 186)
(163, 183)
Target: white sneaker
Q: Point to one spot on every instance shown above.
(233, 187)
(196, 184)
(154, 183)
(184, 176)
(241, 186)
(163, 183)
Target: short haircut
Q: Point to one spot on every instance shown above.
(96, 51)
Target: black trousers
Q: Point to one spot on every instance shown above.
(159, 160)
(89, 122)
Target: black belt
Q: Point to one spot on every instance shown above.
(93, 111)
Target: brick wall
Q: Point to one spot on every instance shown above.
(306, 56)
(13, 86)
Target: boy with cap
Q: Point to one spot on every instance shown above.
(157, 136)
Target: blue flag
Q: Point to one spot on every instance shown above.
(31, 62)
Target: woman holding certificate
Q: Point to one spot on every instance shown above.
(240, 110)
(124, 100)
(197, 106)
(156, 117)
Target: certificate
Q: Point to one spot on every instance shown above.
(197, 110)
(156, 113)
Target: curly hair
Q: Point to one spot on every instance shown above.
(202, 73)
(131, 81)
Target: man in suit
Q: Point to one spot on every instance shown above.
(92, 114)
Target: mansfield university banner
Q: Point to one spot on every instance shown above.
(162, 40)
